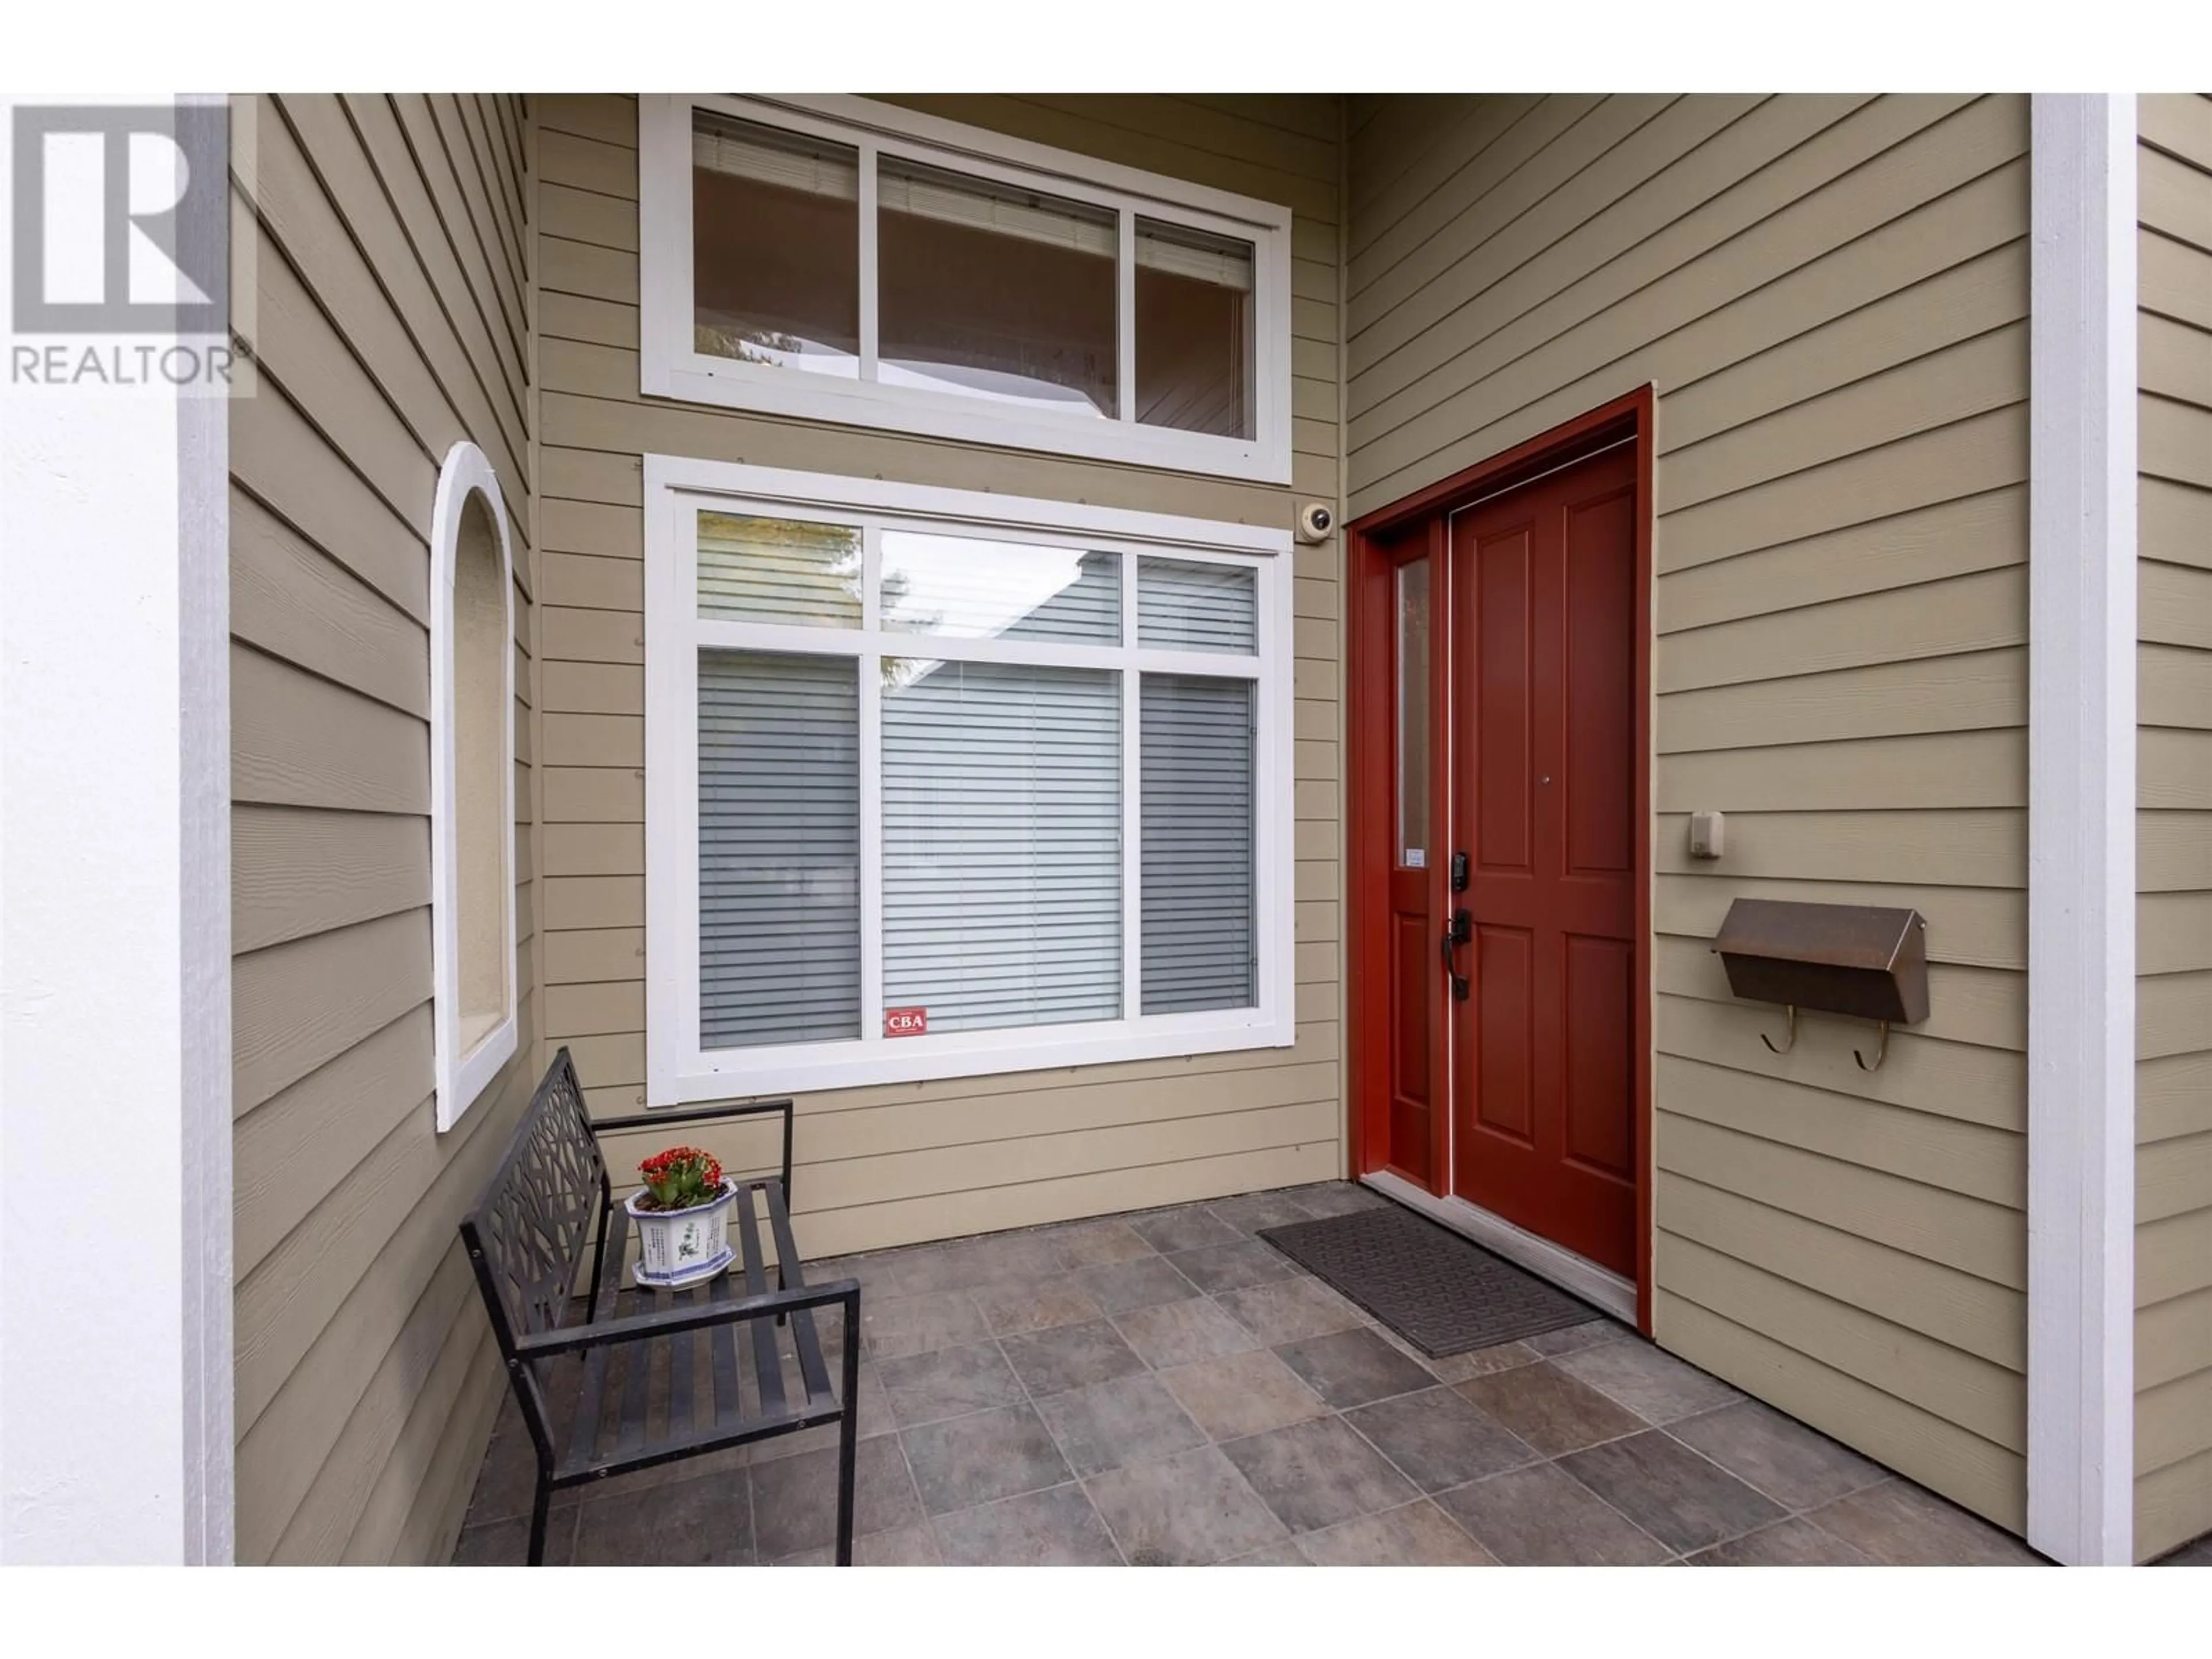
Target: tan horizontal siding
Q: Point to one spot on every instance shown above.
(392, 322)
(892, 1165)
(1830, 295)
(2173, 872)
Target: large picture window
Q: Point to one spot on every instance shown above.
(847, 260)
(942, 783)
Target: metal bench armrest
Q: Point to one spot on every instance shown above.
(670, 1321)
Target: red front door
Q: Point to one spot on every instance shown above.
(1542, 695)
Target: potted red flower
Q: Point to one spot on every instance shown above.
(682, 1218)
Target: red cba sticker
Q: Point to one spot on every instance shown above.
(906, 1022)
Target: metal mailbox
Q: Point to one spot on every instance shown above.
(1858, 959)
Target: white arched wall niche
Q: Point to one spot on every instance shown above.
(471, 779)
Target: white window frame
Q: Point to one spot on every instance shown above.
(678, 1070)
(669, 367)
(461, 1077)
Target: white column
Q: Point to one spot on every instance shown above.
(2082, 832)
(115, 1227)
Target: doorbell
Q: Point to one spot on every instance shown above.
(1316, 520)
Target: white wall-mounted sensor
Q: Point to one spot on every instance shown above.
(1316, 520)
(1708, 834)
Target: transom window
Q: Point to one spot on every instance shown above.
(843, 259)
(943, 783)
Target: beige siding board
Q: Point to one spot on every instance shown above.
(2172, 279)
(1970, 1470)
(595, 1010)
(2178, 123)
(604, 118)
(1957, 1310)
(2174, 607)
(377, 191)
(1410, 147)
(587, 271)
(1234, 133)
(300, 741)
(433, 1526)
(591, 955)
(586, 475)
(2173, 933)
(585, 582)
(1983, 611)
(1981, 689)
(2173, 852)
(2175, 441)
(1972, 378)
(2174, 359)
(2174, 1177)
(2173, 1506)
(2174, 197)
(594, 902)
(293, 1149)
(2173, 1256)
(614, 688)
(287, 465)
(591, 527)
(293, 601)
(330, 1508)
(595, 795)
(594, 849)
(1943, 769)
(1986, 1400)
(1978, 928)
(1848, 179)
(2174, 1339)
(2173, 1014)
(299, 872)
(2173, 769)
(296, 1006)
(601, 322)
(2174, 687)
(1969, 1147)
(1988, 1241)
(1924, 848)
(1967, 300)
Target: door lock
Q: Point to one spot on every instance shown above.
(1461, 930)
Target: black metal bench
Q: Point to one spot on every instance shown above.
(548, 1201)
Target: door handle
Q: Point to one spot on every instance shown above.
(1461, 930)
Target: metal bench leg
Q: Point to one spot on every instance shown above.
(849, 1430)
(537, 1509)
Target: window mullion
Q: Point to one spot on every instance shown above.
(868, 243)
(870, 668)
(1133, 957)
(1124, 320)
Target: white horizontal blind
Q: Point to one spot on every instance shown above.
(1196, 931)
(779, 570)
(1198, 255)
(779, 848)
(1005, 210)
(1002, 844)
(765, 156)
(1186, 606)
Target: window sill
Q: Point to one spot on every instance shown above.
(948, 1057)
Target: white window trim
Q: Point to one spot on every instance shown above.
(461, 1077)
(669, 366)
(678, 1071)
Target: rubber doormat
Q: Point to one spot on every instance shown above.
(1441, 1292)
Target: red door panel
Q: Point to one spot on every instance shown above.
(1543, 678)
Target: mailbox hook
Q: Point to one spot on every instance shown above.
(1788, 1033)
(1880, 1052)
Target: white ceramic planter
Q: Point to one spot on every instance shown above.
(682, 1247)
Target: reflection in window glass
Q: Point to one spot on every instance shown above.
(1001, 842)
(779, 570)
(969, 588)
(1183, 605)
(1413, 713)
(775, 236)
(1194, 330)
(994, 292)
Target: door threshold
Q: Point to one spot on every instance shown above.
(1601, 1287)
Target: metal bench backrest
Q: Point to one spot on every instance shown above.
(541, 1211)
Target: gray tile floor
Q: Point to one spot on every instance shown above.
(1163, 1388)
